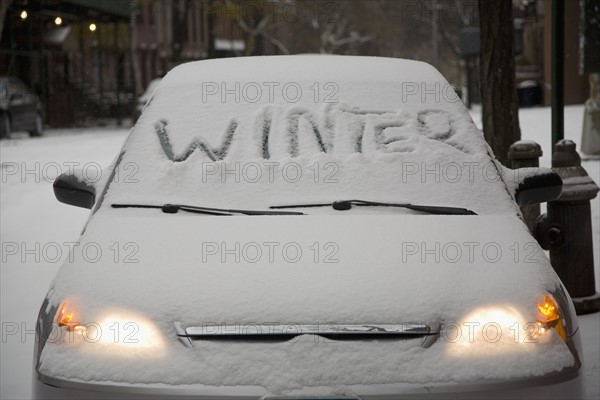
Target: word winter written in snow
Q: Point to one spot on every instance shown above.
(363, 132)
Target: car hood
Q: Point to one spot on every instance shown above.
(386, 272)
(305, 269)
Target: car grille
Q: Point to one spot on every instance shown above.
(280, 332)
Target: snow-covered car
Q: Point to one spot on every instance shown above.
(373, 247)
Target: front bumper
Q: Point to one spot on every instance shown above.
(565, 384)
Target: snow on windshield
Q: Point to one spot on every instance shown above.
(379, 129)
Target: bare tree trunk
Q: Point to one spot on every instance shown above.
(498, 86)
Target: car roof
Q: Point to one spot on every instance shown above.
(337, 68)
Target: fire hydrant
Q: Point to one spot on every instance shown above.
(526, 154)
(566, 229)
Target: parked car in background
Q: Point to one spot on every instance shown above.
(307, 227)
(143, 99)
(20, 108)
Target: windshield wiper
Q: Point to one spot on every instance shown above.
(343, 205)
(173, 208)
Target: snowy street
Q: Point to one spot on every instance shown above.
(34, 222)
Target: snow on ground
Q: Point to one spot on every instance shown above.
(30, 217)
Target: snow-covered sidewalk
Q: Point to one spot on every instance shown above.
(32, 219)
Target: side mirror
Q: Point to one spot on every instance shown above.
(73, 190)
(539, 188)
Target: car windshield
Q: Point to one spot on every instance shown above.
(253, 137)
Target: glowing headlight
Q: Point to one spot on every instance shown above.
(68, 317)
(117, 332)
(126, 330)
(549, 317)
(489, 330)
(501, 329)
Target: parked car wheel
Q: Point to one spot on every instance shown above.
(38, 127)
(4, 126)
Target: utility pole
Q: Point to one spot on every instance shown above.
(558, 74)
